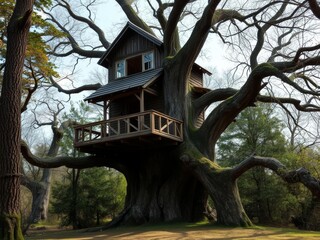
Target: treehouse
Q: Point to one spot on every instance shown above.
(133, 101)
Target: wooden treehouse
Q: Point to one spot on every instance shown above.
(133, 98)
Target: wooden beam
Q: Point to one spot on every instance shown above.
(142, 101)
(152, 91)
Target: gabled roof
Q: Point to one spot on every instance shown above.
(129, 26)
(139, 80)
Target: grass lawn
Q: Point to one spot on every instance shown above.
(176, 231)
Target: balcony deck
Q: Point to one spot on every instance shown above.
(140, 129)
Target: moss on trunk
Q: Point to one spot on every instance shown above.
(11, 227)
(219, 184)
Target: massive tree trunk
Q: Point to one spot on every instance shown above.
(10, 105)
(161, 189)
(220, 185)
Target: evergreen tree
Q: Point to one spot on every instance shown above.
(100, 194)
(257, 131)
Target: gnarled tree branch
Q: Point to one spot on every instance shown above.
(300, 175)
(54, 162)
(75, 90)
(73, 43)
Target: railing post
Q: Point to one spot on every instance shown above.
(128, 125)
(175, 129)
(118, 125)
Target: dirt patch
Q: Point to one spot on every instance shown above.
(170, 232)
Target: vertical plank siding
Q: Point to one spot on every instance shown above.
(133, 44)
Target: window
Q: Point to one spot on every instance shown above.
(148, 61)
(120, 66)
(135, 64)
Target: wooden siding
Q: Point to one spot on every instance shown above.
(154, 102)
(196, 78)
(199, 120)
(131, 45)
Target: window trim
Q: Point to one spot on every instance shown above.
(143, 62)
(124, 68)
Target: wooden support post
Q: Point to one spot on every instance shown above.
(104, 109)
(142, 101)
(141, 120)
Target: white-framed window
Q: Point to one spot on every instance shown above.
(134, 64)
(120, 68)
(148, 61)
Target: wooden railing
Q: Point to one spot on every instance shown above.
(148, 122)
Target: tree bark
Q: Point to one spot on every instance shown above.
(220, 185)
(10, 107)
(40, 196)
(160, 189)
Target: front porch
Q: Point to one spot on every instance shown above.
(146, 127)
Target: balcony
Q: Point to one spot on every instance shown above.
(135, 130)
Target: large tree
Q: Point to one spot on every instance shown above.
(268, 41)
(10, 106)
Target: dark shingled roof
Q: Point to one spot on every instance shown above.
(142, 80)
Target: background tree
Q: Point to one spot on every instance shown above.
(40, 186)
(258, 131)
(271, 50)
(10, 105)
(100, 194)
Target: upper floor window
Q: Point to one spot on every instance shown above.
(136, 64)
(120, 66)
(148, 61)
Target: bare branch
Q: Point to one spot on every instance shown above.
(75, 90)
(71, 162)
(73, 43)
(261, 32)
(221, 117)
(305, 49)
(30, 90)
(295, 102)
(315, 8)
(92, 25)
(213, 96)
(300, 175)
